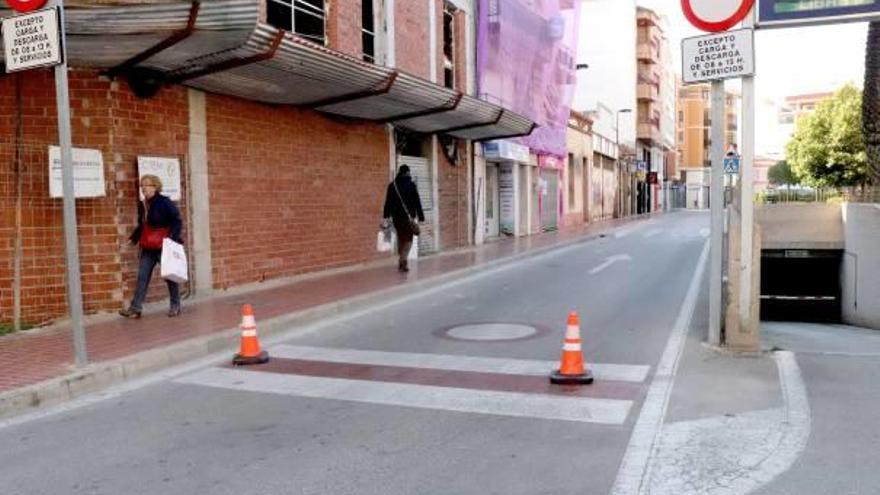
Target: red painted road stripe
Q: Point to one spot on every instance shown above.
(449, 378)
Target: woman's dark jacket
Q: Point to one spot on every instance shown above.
(162, 213)
(410, 195)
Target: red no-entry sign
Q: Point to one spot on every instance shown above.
(25, 5)
(716, 15)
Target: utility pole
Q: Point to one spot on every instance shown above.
(716, 201)
(746, 188)
(617, 151)
(71, 243)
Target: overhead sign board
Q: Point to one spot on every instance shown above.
(31, 40)
(719, 56)
(788, 13)
(716, 15)
(506, 150)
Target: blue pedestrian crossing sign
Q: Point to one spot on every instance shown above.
(731, 164)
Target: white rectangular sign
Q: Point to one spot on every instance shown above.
(718, 56)
(166, 169)
(88, 173)
(31, 40)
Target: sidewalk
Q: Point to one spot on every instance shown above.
(36, 367)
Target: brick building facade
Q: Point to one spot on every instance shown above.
(268, 190)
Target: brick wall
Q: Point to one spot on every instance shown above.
(452, 189)
(344, 26)
(292, 191)
(412, 43)
(453, 181)
(158, 126)
(460, 41)
(106, 117)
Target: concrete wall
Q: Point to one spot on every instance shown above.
(800, 226)
(861, 265)
(742, 335)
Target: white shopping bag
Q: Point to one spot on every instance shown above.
(173, 262)
(383, 241)
(414, 249)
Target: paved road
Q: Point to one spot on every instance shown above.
(445, 392)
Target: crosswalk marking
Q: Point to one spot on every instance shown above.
(602, 372)
(540, 406)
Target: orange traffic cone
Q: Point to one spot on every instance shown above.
(571, 368)
(250, 352)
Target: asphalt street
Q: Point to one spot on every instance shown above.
(443, 392)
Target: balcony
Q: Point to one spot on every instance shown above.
(647, 53)
(649, 131)
(648, 90)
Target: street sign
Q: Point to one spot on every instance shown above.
(25, 5)
(731, 165)
(714, 57)
(716, 15)
(789, 13)
(31, 40)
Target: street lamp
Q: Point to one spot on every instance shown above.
(617, 151)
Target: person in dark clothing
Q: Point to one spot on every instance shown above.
(402, 203)
(158, 217)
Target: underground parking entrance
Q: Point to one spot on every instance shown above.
(801, 285)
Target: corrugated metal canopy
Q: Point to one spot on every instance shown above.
(509, 125)
(226, 49)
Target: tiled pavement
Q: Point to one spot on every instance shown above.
(27, 358)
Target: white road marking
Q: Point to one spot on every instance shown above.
(612, 372)
(610, 261)
(580, 409)
(634, 470)
(736, 453)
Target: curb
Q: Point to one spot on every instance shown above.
(102, 375)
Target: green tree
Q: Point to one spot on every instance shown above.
(828, 148)
(781, 174)
(871, 103)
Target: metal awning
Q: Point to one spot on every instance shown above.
(221, 46)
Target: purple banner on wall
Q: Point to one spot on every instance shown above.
(526, 63)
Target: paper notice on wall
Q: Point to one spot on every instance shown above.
(88, 173)
(166, 169)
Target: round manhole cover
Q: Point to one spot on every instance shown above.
(487, 332)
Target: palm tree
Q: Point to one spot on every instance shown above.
(871, 102)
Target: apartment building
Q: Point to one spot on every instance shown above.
(655, 113)
(694, 137)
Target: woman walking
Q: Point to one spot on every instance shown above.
(158, 218)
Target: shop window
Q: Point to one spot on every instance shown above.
(449, 46)
(305, 18)
(368, 31)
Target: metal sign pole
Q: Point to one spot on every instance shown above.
(716, 199)
(74, 290)
(747, 190)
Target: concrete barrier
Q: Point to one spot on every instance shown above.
(861, 265)
(800, 226)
